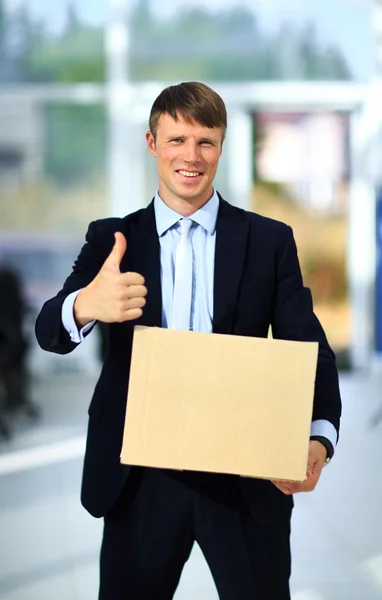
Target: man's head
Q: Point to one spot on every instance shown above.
(192, 102)
(188, 123)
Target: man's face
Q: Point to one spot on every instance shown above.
(187, 159)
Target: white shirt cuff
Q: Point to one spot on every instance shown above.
(68, 320)
(325, 429)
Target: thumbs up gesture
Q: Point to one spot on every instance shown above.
(112, 296)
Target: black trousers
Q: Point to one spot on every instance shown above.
(149, 534)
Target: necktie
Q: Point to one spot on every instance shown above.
(181, 309)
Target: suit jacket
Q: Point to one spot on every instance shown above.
(257, 283)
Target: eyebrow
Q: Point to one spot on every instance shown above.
(212, 140)
(209, 139)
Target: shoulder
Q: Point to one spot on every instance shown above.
(112, 224)
(100, 234)
(259, 225)
(104, 229)
(266, 223)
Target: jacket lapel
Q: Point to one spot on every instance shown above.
(232, 230)
(143, 256)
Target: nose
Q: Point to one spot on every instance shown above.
(191, 151)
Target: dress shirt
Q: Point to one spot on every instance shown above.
(203, 238)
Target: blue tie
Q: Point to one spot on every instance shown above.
(181, 308)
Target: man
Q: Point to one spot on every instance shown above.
(245, 276)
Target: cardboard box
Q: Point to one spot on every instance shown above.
(220, 403)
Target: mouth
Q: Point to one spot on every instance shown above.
(190, 176)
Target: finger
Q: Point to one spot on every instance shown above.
(131, 278)
(126, 307)
(132, 314)
(311, 482)
(134, 291)
(312, 465)
(282, 487)
(295, 488)
(115, 257)
(125, 303)
(134, 303)
(291, 487)
(314, 472)
(308, 485)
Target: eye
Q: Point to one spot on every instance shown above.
(176, 141)
(206, 143)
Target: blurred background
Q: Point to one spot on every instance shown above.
(302, 82)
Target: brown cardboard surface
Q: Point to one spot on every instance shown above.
(220, 403)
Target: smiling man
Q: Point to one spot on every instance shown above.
(190, 260)
(187, 150)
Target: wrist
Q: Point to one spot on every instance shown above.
(81, 309)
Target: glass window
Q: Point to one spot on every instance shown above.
(254, 40)
(302, 178)
(56, 42)
(53, 164)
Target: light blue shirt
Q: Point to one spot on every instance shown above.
(203, 240)
(203, 235)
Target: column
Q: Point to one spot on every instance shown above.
(126, 142)
(239, 150)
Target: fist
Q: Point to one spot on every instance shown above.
(316, 461)
(112, 296)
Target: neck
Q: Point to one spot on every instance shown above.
(184, 206)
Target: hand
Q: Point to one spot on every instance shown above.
(112, 296)
(316, 460)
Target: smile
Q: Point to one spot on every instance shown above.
(190, 173)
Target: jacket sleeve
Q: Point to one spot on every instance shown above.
(50, 332)
(294, 319)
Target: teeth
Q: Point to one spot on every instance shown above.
(189, 173)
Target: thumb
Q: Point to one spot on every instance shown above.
(113, 261)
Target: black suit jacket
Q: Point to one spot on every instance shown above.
(257, 283)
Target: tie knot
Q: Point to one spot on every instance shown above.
(185, 225)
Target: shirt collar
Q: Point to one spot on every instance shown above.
(206, 216)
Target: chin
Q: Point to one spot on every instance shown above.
(193, 193)
(191, 197)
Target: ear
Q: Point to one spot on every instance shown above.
(151, 144)
(221, 145)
